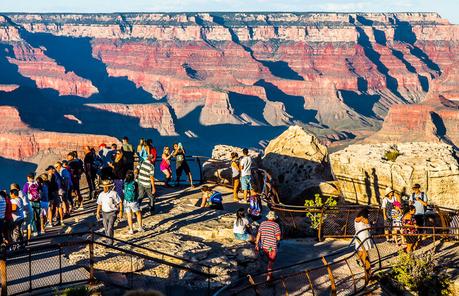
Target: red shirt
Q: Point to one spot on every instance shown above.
(269, 230)
(153, 154)
(8, 210)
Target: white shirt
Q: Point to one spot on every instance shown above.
(109, 201)
(19, 213)
(246, 165)
(241, 227)
(386, 200)
(362, 236)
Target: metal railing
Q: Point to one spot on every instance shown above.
(341, 272)
(83, 257)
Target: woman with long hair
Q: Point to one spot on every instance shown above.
(363, 241)
(181, 164)
(241, 226)
(165, 165)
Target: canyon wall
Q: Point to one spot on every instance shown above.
(228, 78)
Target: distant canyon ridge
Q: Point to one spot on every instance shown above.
(225, 78)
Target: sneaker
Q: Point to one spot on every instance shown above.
(35, 234)
(62, 223)
(81, 208)
(140, 229)
(130, 232)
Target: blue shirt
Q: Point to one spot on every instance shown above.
(420, 210)
(2, 207)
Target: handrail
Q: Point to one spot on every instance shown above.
(338, 252)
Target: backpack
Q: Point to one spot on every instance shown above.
(216, 198)
(255, 206)
(130, 192)
(34, 192)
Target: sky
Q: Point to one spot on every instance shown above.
(447, 8)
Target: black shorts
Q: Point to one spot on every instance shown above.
(419, 220)
(183, 168)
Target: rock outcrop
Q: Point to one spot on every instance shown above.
(298, 163)
(218, 169)
(363, 173)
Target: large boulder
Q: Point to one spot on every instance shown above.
(363, 171)
(298, 163)
(218, 168)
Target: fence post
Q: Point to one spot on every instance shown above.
(91, 259)
(330, 275)
(3, 271)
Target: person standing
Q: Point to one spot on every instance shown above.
(152, 151)
(131, 207)
(165, 165)
(387, 206)
(75, 167)
(66, 192)
(146, 182)
(109, 203)
(3, 197)
(363, 242)
(268, 236)
(56, 195)
(42, 181)
(25, 195)
(410, 231)
(128, 152)
(17, 210)
(181, 164)
(246, 167)
(419, 200)
(90, 170)
(120, 168)
(236, 175)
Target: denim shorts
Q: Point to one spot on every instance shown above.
(242, 237)
(245, 183)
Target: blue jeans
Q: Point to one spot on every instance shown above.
(245, 183)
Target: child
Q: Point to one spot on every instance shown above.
(396, 214)
(210, 198)
(410, 230)
(254, 209)
(17, 210)
(44, 202)
(130, 201)
(241, 227)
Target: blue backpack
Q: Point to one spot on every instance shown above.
(130, 193)
(216, 198)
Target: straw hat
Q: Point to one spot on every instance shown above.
(388, 190)
(271, 215)
(106, 183)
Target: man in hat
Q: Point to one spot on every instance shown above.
(268, 236)
(419, 200)
(109, 202)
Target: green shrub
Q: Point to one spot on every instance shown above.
(392, 154)
(319, 203)
(419, 274)
(74, 291)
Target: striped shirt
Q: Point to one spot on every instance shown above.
(146, 170)
(2, 207)
(268, 231)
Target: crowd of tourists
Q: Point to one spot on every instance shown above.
(125, 175)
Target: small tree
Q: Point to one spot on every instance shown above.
(392, 154)
(318, 202)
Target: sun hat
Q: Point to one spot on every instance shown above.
(271, 215)
(106, 183)
(388, 190)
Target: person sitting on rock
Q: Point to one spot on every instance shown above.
(235, 174)
(109, 203)
(241, 227)
(268, 236)
(210, 198)
(255, 206)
